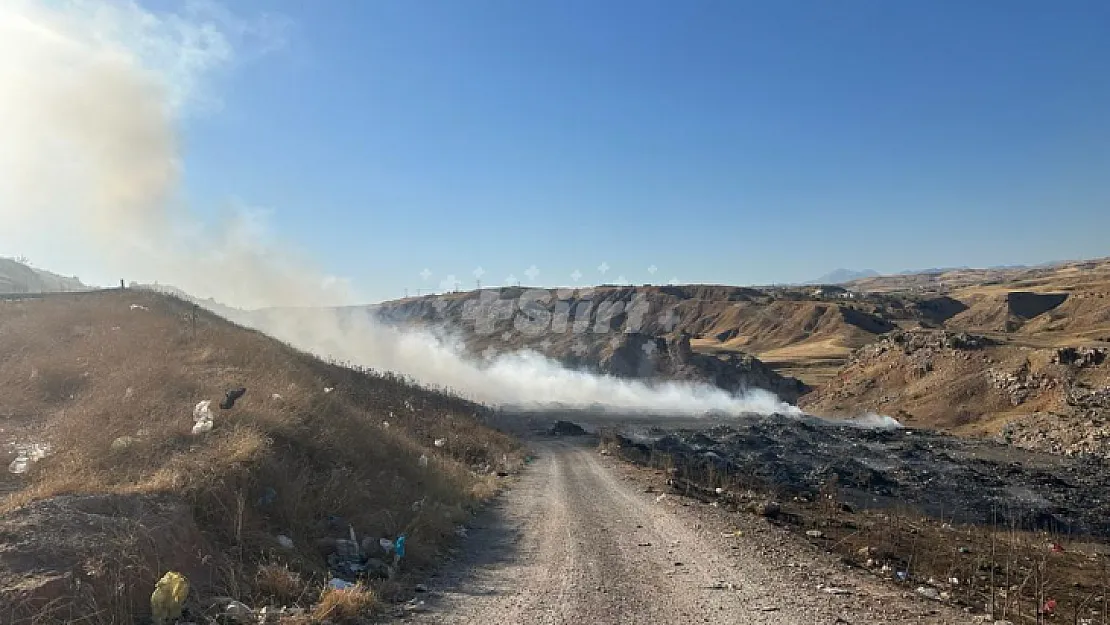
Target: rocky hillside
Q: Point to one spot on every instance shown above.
(725, 329)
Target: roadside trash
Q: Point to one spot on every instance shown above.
(285, 541)
(328, 389)
(964, 550)
(275, 397)
(834, 590)
(902, 576)
(269, 496)
(417, 505)
(719, 490)
(168, 597)
(129, 393)
(386, 545)
(421, 588)
(660, 498)
(735, 534)
(815, 534)
(202, 417)
(399, 547)
(423, 460)
(123, 442)
(26, 455)
(928, 593)
(955, 581)
(385, 425)
(440, 442)
(231, 397)
(238, 612)
(1049, 607)
(415, 606)
(19, 465)
(339, 584)
(1057, 548)
(643, 544)
(138, 307)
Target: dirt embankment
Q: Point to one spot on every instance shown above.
(99, 396)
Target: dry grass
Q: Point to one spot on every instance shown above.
(348, 605)
(112, 389)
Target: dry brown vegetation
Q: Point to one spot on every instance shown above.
(109, 379)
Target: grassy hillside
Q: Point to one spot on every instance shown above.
(110, 380)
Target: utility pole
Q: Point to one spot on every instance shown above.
(478, 283)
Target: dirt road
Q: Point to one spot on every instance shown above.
(577, 540)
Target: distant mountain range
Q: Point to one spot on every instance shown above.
(17, 277)
(840, 276)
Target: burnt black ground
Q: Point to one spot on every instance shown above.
(959, 480)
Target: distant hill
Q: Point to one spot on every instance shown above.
(840, 276)
(17, 277)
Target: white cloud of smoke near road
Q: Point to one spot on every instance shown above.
(91, 94)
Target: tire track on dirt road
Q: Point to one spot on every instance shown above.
(573, 542)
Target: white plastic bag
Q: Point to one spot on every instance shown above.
(202, 417)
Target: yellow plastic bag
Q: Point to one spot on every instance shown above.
(168, 597)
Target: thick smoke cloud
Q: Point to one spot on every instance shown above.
(91, 95)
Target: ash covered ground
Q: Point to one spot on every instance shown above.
(959, 480)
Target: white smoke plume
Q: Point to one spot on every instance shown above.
(91, 94)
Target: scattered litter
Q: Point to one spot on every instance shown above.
(168, 597)
(28, 454)
(416, 606)
(440, 442)
(138, 307)
(423, 460)
(123, 442)
(385, 424)
(269, 496)
(231, 397)
(238, 612)
(339, 584)
(769, 608)
(964, 550)
(1049, 607)
(1057, 548)
(815, 534)
(660, 498)
(902, 576)
(835, 590)
(202, 417)
(328, 389)
(955, 581)
(643, 544)
(129, 393)
(386, 545)
(285, 541)
(719, 490)
(735, 534)
(417, 505)
(399, 547)
(421, 588)
(19, 465)
(928, 593)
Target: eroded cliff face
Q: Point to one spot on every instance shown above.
(642, 333)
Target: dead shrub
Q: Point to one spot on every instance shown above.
(348, 605)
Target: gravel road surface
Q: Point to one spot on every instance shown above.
(578, 540)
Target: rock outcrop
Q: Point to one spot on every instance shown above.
(641, 356)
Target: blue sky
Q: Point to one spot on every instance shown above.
(717, 141)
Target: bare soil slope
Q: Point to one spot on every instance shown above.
(312, 452)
